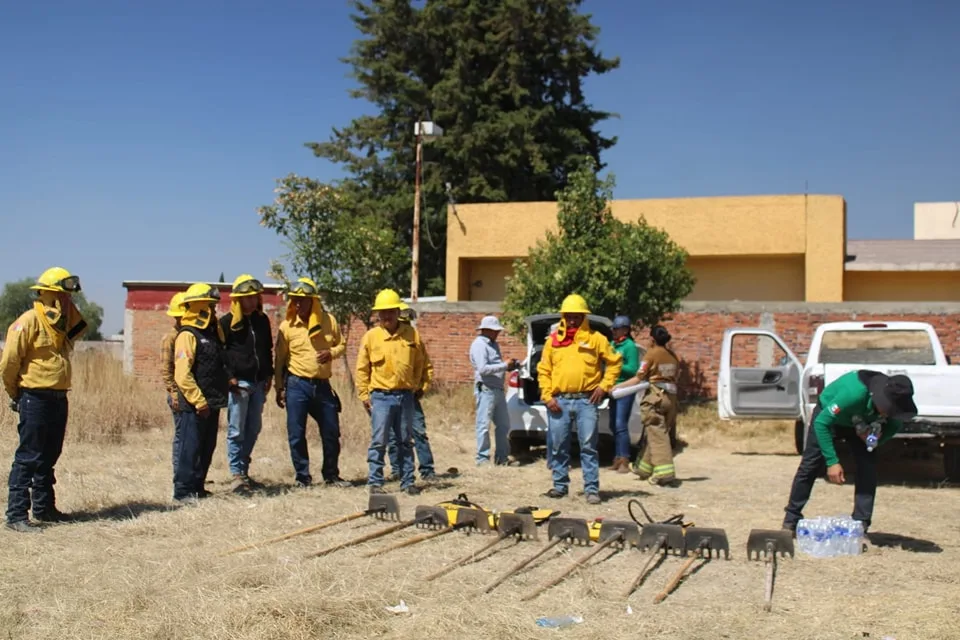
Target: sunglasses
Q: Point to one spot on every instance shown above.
(249, 286)
(302, 289)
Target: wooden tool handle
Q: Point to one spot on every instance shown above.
(573, 567)
(643, 572)
(459, 561)
(298, 532)
(520, 565)
(675, 580)
(361, 539)
(768, 591)
(409, 541)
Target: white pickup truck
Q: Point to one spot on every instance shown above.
(788, 390)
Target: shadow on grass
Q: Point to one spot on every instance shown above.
(127, 511)
(892, 540)
(778, 454)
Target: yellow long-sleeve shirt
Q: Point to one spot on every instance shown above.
(390, 361)
(296, 352)
(576, 368)
(31, 360)
(426, 378)
(167, 352)
(186, 351)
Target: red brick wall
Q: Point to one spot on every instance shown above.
(698, 335)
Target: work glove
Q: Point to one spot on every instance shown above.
(513, 364)
(14, 405)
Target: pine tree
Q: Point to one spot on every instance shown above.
(504, 78)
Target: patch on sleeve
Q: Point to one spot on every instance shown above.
(181, 355)
(18, 327)
(835, 409)
(644, 366)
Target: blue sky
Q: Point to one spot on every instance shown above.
(137, 139)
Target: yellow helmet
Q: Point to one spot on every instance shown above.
(407, 313)
(175, 310)
(246, 285)
(387, 299)
(304, 287)
(201, 292)
(574, 304)
(57, 279)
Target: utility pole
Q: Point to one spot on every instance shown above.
(425, 132)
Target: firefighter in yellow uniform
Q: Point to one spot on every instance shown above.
(202, 388)
(35, 368)
(389, 372)
(167, 357)
(576, 371)
(658, 408)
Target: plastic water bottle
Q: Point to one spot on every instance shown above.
(560, 622)
(872, 441)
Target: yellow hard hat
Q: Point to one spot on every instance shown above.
(574, 304)
(304, 287)
(245, 285)
(200, 292)
(57, 279)
(387, 299)
(175, 310)
(407, 313)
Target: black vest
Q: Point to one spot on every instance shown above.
(208, 369)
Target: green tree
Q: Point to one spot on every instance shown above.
(619, 267)
(504, 78)
(350, 253)
(17, 297)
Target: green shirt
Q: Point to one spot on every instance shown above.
(845, 403)
(631, 358)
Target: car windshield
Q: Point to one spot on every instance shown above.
(877, 347)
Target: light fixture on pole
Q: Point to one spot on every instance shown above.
(425, 132)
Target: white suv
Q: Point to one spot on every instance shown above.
(528, 414)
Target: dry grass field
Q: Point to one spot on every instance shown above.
(136, 567)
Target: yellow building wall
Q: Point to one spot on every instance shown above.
(753, 279)
(811, 228)
(486, 279)
(914, 286)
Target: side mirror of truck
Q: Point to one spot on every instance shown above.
(948, 360)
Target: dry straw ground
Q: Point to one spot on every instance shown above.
(138, 568)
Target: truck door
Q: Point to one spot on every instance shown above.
(759, 377)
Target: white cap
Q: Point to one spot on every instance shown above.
(491, 322)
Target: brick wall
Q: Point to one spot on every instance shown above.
(448, 329)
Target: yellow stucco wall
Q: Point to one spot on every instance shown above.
(798, 238)
(918, 286)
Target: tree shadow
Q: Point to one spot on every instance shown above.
(891, 540)
(612, 494)
(779, 454)
(125, 511)
(691, 383)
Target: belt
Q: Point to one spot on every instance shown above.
(313, 381)
(45, 393)
(669, 387)
(481, 387)
(392, 392)
(581, 395)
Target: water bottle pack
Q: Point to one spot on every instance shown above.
(830, 536)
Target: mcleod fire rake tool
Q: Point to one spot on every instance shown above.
(769, 542)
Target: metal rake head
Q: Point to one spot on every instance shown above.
(574, 530)
(473, 519)
(429, 517)
(521, 525)
(384, 507)
(669, 538)
(627, 532)
(707, 542)
(764, 542)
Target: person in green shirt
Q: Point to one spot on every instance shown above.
(848, 408)
(621, 408)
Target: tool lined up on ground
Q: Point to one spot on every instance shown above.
(704, 543)
(768, 543)
(617, 533)
(379, 506)
(655, 538)
(465, 518)
(519, 524)
(435, 515)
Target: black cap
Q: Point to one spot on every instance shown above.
(893, 396)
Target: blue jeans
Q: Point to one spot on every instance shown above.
(580, 412)
(620, 410)
(421, 444)
(391, 415)
(244, 420)
(313, 398)
(176, 432)
(42, 426)
(196, 440)
(491, 404)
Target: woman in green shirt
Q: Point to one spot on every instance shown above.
(620, 409)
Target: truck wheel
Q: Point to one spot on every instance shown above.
(520, 447)
(951, 462)
(798, 430)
